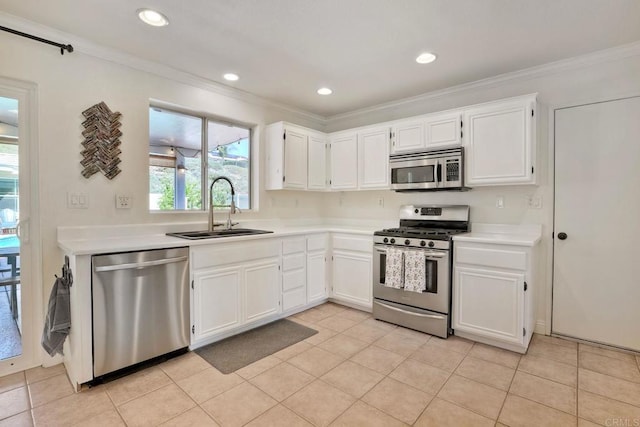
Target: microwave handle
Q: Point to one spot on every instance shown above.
(438, 173)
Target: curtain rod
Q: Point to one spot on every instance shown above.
(62, 47)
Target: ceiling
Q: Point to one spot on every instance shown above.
(284, 50)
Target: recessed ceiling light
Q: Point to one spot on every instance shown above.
(231, 77)
(324, 91)
(152, 17)
(425, 58)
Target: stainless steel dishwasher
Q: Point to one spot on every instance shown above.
(140, 303)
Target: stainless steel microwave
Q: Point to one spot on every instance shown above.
(428, 170)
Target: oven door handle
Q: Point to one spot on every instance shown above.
(429, 316)
(427, 254)
(435, 255)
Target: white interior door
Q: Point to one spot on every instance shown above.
(596, 285)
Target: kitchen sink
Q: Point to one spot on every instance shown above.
(205, 234)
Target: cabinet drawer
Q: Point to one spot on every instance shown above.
(292, 262)
(291, 246)
(293, 279)
(349, 243)
(499, 257)
(317, 243)
(294, 298)
(218, 254)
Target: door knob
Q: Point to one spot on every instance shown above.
(562, 236)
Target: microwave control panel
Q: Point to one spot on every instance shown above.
(453, 170)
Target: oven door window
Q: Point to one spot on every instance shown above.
(431, 273)
(413, 175)
(383, 267)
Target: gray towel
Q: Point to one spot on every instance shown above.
(58, 321)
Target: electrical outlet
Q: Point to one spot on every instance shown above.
(77, 200)
(381, 202)
(123, 201)
(500, 202)
(534, 202)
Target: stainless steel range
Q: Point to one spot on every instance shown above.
(427, 230)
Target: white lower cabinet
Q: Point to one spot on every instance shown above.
(493, 294)
(234, 285)
(216, 294)
(262, 289)
(316, 268)
(294, 273)
(351, 269)
(238, 286)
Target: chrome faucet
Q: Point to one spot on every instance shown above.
(232, 206)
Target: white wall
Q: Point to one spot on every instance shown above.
(595, 82)
(69, 84)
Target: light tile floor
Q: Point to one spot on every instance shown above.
(355, 372)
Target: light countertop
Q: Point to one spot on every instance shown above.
(520, 235)
(96, 241)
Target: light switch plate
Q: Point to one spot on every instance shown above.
(123, 201)
(500, 202)
(534, 202)
(77, 200)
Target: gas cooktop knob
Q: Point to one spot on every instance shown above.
(407, 242)
(423, 243)
(431, 244)
(385, 240)
(393, 240)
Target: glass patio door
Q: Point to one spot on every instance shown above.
(18, 335)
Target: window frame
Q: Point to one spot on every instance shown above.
(254, 155)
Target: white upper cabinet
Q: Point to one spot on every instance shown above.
(499, 139)
(443, 130)
(286, 156)
(408, 136)
(373, 162)
(317, 163)
(295, 159)
(430, 132)
(344, 162)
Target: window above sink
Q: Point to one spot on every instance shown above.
(179, 175)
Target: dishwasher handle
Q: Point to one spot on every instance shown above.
(143, 264)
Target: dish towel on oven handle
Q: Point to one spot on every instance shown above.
(414, 271)
(394, 268)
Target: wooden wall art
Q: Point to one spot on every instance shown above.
(101, 141)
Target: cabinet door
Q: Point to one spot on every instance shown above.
(317, 163)
(216, 301)
(344, 162)
(408, 136)
(352, 277)
(316, 276)
(262, 289)
(443, 130)
(489, 303)
(499, 140)
(295, 159)
(373, 152)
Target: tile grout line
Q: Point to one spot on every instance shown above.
(509, 389)
(605, 396)
(435, 396)
(115, 407)
(577, 380)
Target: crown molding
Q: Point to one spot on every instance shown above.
(86, 47)
(89, 48)
(576, 62)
